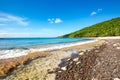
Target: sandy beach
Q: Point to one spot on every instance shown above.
(7, 63)
(46, 65)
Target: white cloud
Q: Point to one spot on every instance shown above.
(51, 20)
(96, 12)
(57, 20)
(93, 13)
(4, 17)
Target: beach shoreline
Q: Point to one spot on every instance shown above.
(7, 64)
(5, 54)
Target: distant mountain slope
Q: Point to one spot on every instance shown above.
(106, 28)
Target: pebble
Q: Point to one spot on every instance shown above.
(117, 47)
(78, 62)
(63, 68)
(68, 59)
(59, 71)
(76, 59)
(116, 44)
(82, 53)
(94, 79)
(96, 51)
(116, 79)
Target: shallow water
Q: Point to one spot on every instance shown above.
(15, 47)
(24, 43)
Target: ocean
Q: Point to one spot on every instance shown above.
(15, 47)
(24, 43)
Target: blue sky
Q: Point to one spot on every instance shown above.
(51, 18)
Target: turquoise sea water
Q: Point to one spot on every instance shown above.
(24, 43)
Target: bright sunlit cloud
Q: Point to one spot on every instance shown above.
(58, 20)
(52, 20)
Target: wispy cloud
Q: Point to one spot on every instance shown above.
(96, 12)
(44, 32)
(51, 20)
(4, 17)
(3, 33)
(2, 24)
(56, 20)
(93, 13)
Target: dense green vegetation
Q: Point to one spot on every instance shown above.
(106, 28)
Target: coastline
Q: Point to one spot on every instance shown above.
(9, 63)
(20, 52)
(5, 54)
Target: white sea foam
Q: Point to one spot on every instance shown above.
(4, 54)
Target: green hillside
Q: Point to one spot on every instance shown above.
(106, 28)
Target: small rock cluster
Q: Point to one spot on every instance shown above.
(98, 63)
(116, 45)
(79, 67)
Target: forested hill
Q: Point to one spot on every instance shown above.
(106, 28)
